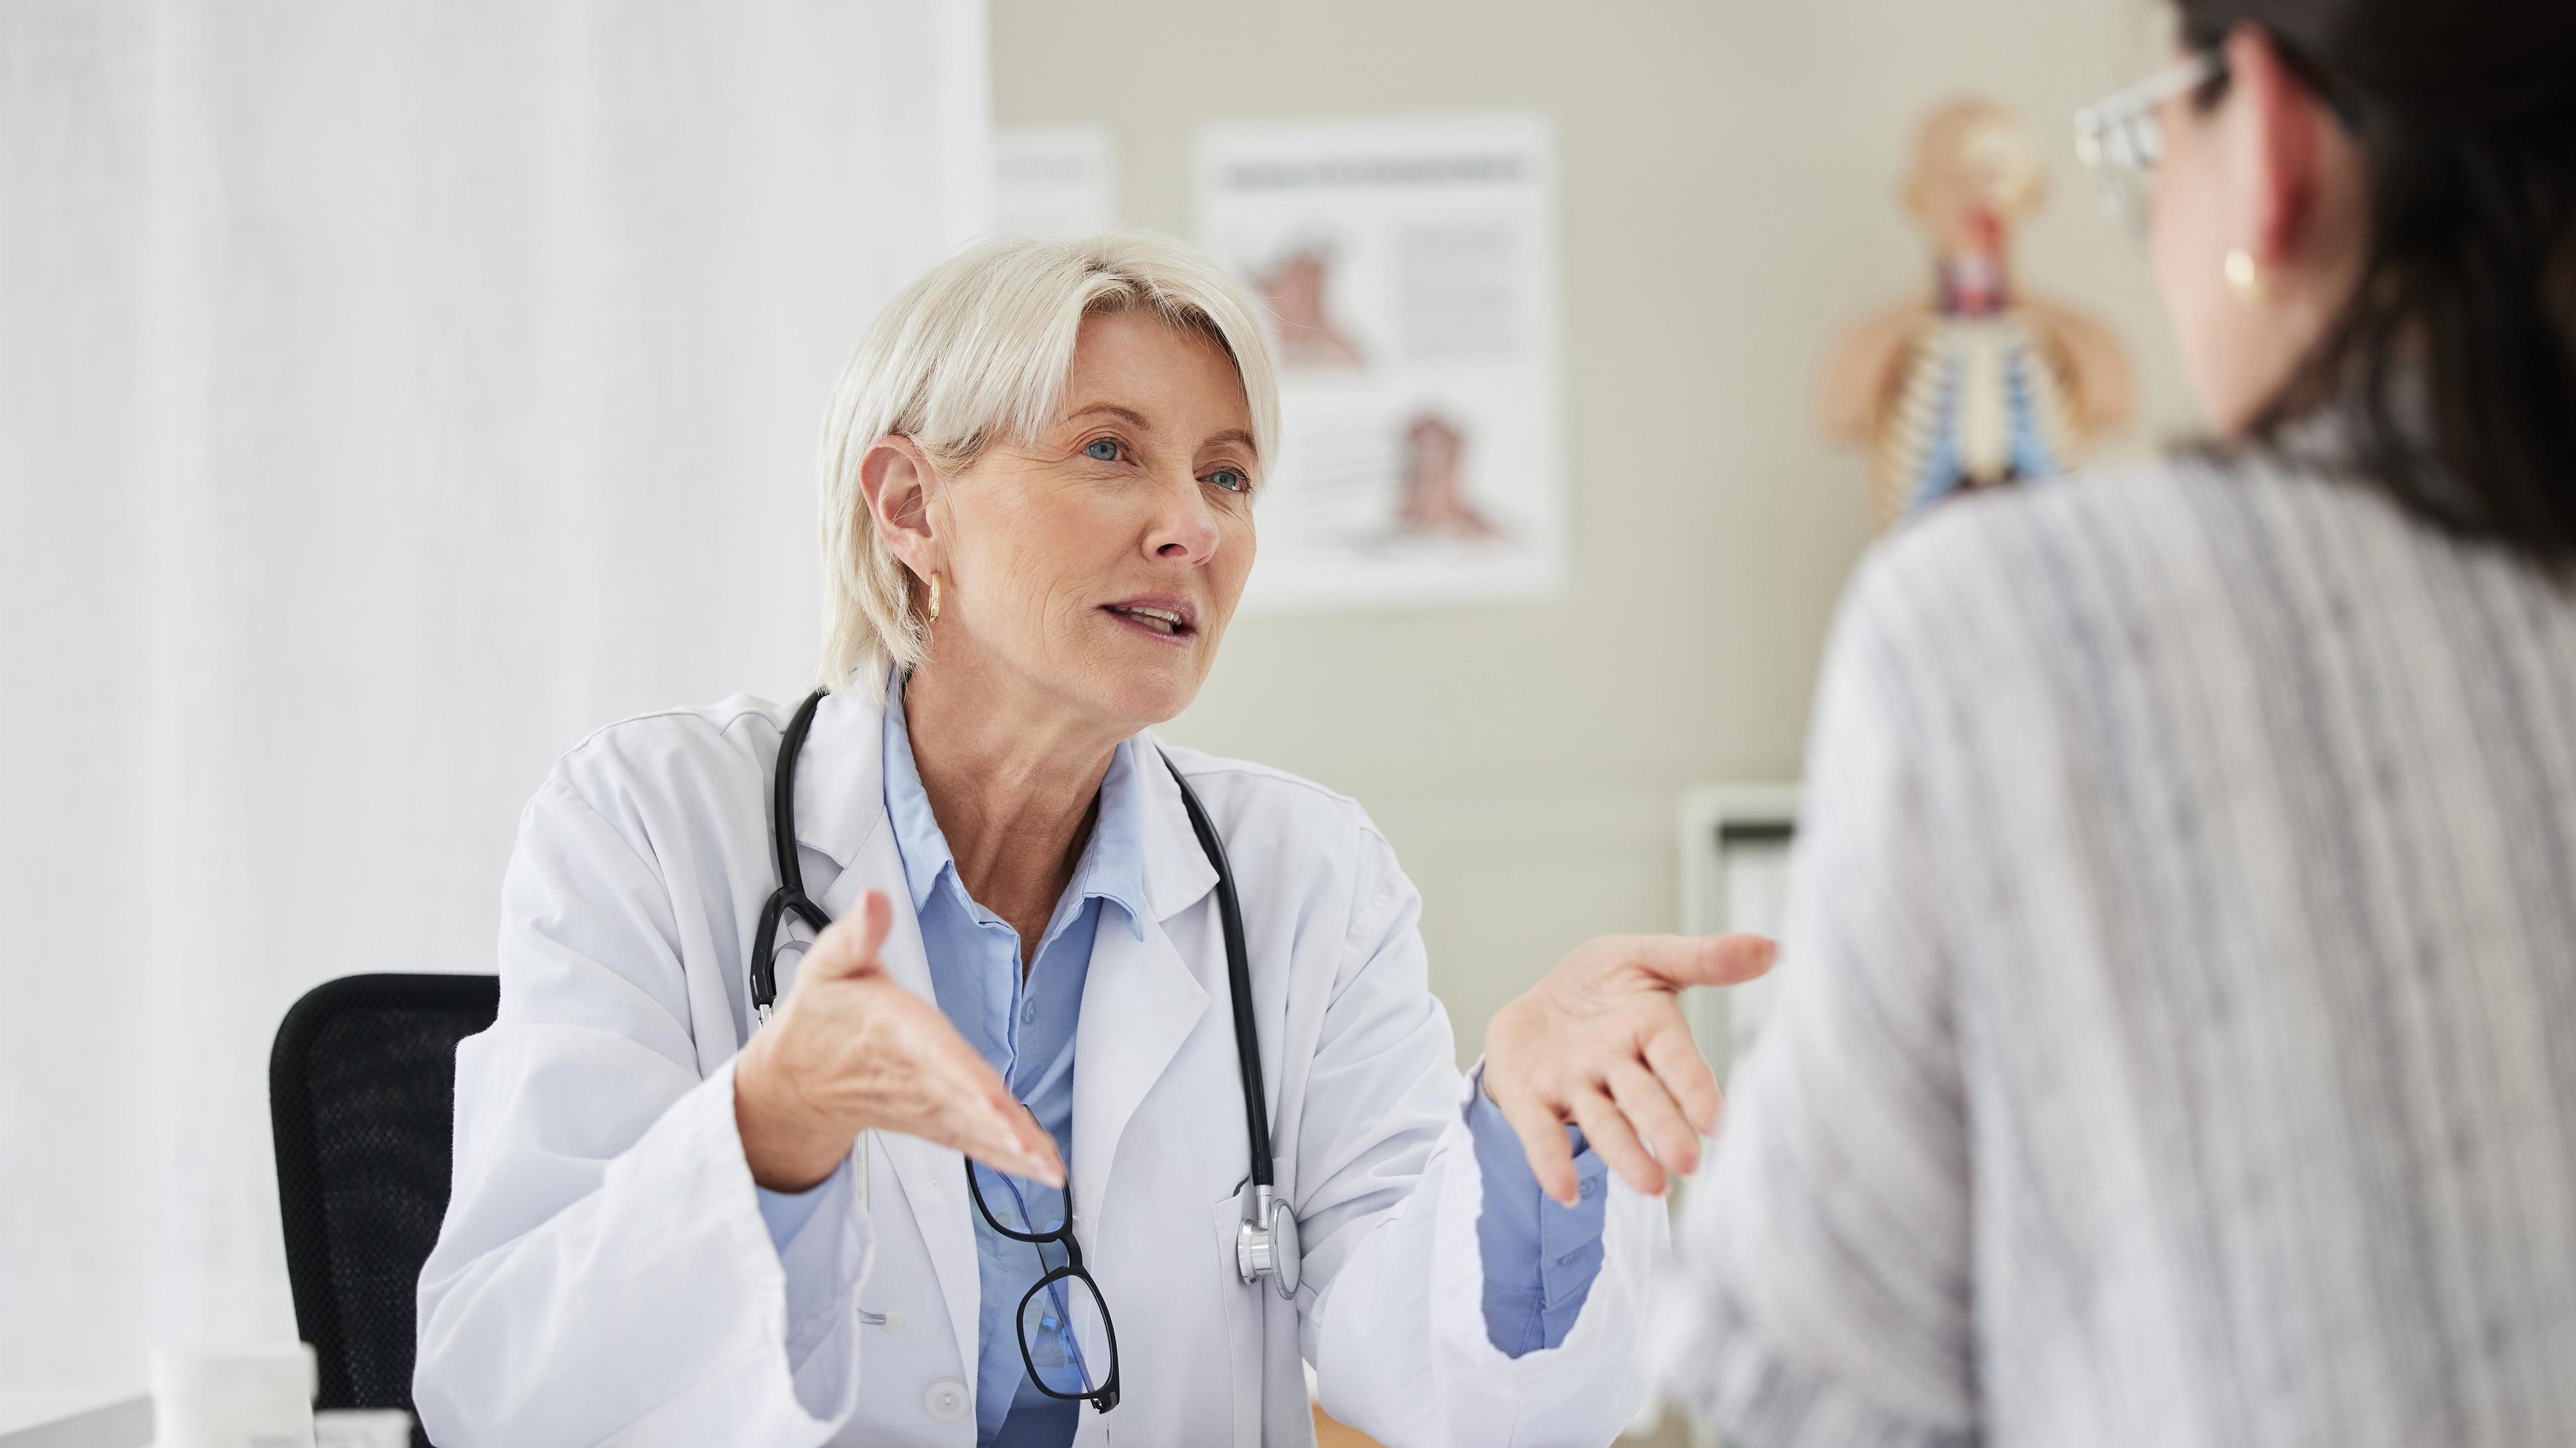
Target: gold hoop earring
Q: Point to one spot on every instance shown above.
(934, 598)
(2247, 278)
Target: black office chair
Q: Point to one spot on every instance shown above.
(362, 1098)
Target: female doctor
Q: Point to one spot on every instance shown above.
(682, 1216)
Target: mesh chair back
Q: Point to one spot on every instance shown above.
(362, 1097)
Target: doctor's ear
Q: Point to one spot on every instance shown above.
(896, 477)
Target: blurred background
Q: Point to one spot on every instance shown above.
(392, 393)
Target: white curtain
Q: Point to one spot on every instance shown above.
(390, 393)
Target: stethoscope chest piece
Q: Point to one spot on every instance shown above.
(1266, 1245)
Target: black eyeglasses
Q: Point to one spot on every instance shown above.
(1061, 1311)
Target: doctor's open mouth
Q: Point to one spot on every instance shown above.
(1171, 619)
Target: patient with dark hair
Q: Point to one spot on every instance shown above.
(2174, 1044)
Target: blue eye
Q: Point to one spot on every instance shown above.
(1103, 449)
(1232, 480)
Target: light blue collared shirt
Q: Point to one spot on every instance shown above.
(1540, 1258)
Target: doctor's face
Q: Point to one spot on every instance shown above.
(1098, 564)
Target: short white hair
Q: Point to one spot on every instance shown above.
(978, 351)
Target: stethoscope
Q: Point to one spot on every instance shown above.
(1266, 1245)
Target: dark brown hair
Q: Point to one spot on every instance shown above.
(2457, 355)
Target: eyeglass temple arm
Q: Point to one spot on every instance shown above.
(2181, 78)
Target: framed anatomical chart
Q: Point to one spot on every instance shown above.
(1409, 267)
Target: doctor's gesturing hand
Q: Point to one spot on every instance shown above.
(850, 1050)
(1600, 1042)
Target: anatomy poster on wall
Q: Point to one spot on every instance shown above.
(1409, 269)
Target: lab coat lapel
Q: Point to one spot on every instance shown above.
(933, 1177)
(1140, 1000)
(1138, 1004)
(840, 784)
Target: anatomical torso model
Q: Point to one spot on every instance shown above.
(1980, 384)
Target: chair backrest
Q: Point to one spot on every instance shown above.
(362, 1097)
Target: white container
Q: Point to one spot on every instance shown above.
(234, 1397)
(361, 1428)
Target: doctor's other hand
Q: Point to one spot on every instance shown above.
(1600, 1042)
(850, 1050)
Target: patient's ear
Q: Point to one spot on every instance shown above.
(2276, 142)
(895, 477)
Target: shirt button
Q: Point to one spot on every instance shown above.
(1568, 1259)
(1029, 1012)
(946, 1400)
(1590, 1184)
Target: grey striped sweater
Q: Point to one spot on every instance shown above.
(2177, 1035)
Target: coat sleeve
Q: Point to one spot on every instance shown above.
(603, 1271)
(1389, 1195)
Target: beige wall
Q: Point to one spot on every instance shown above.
(1726, 179)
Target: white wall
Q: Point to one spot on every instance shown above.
(1727, 184)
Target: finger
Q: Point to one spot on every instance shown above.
(1610, 1135)
(1002, 1135)
(1000, 1132)
(1551, 1156)
(1035, 1146)
(1685, 1073)
(990, 1137)
(987, 1136)
(1687, 960)
(852, 945)
(1651, 1110)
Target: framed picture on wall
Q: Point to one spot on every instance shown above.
(1408, 267)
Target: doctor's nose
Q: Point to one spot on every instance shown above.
(1185, 530)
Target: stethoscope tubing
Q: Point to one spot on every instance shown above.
(1247, 1041)
(790, 894)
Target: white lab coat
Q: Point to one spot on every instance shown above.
(604, 1273)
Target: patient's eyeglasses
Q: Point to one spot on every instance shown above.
(1064, 1309)
(2120, 139)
